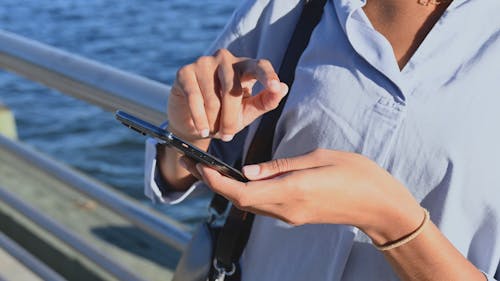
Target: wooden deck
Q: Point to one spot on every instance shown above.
(139, 252)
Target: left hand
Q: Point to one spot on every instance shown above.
(324, 186)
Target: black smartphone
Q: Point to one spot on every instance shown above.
(189, 150)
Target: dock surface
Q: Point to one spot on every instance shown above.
(112, 235)
(13, 270)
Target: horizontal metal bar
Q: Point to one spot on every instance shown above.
(160, 226)
(85, 79)
(30, 261)
(68, 237)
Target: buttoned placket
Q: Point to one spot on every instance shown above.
(389, 111)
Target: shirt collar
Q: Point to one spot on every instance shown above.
(345, 8)
(368, 43)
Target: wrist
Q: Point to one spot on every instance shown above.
(395, 217)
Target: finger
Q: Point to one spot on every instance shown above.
(244, 195)
(265, 101)
(190, 165)
(262, 70)
(267, 198)
(205, 78)
(229, 188)
(189, 85)
(280, 166)
(232, 94)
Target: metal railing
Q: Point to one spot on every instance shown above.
(82, 78)
(103, 86)
(31, 262)
(68, 238)
(163, 228)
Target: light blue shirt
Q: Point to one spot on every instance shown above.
(434, 125)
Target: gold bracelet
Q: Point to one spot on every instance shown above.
(405, 239)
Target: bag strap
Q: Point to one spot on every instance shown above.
(234, 235)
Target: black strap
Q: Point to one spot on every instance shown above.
(234, 234)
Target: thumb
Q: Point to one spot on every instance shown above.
(276, 167)
(266, 100)
(270, 169)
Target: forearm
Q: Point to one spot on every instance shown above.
(429, 256)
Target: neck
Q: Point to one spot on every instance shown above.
(410, 10)
(405, 23)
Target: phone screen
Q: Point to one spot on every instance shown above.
(147, 129)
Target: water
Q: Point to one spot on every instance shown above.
(151, 38)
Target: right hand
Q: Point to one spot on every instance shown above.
(212, 97)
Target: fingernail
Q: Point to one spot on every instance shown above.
(227, 137)
(284, 89)
(204, 133)
(183, 163)
(275, 86)
(251, 170)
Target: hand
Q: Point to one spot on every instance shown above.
(323, 186)
(212, 97)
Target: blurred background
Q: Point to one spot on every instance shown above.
(151, 38)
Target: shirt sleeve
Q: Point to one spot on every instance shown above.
(156, 189)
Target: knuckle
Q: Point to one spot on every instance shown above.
(183, 71)
(263, 63)
(223, 53)
(280, 165)
(204, 61)
(241, 202)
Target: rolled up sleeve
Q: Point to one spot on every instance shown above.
(158, 190)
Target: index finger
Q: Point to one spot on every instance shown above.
(262, 70)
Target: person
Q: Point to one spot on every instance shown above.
(392, 112)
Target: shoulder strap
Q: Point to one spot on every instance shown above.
(234, 234)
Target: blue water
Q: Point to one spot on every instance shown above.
(151, 38)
